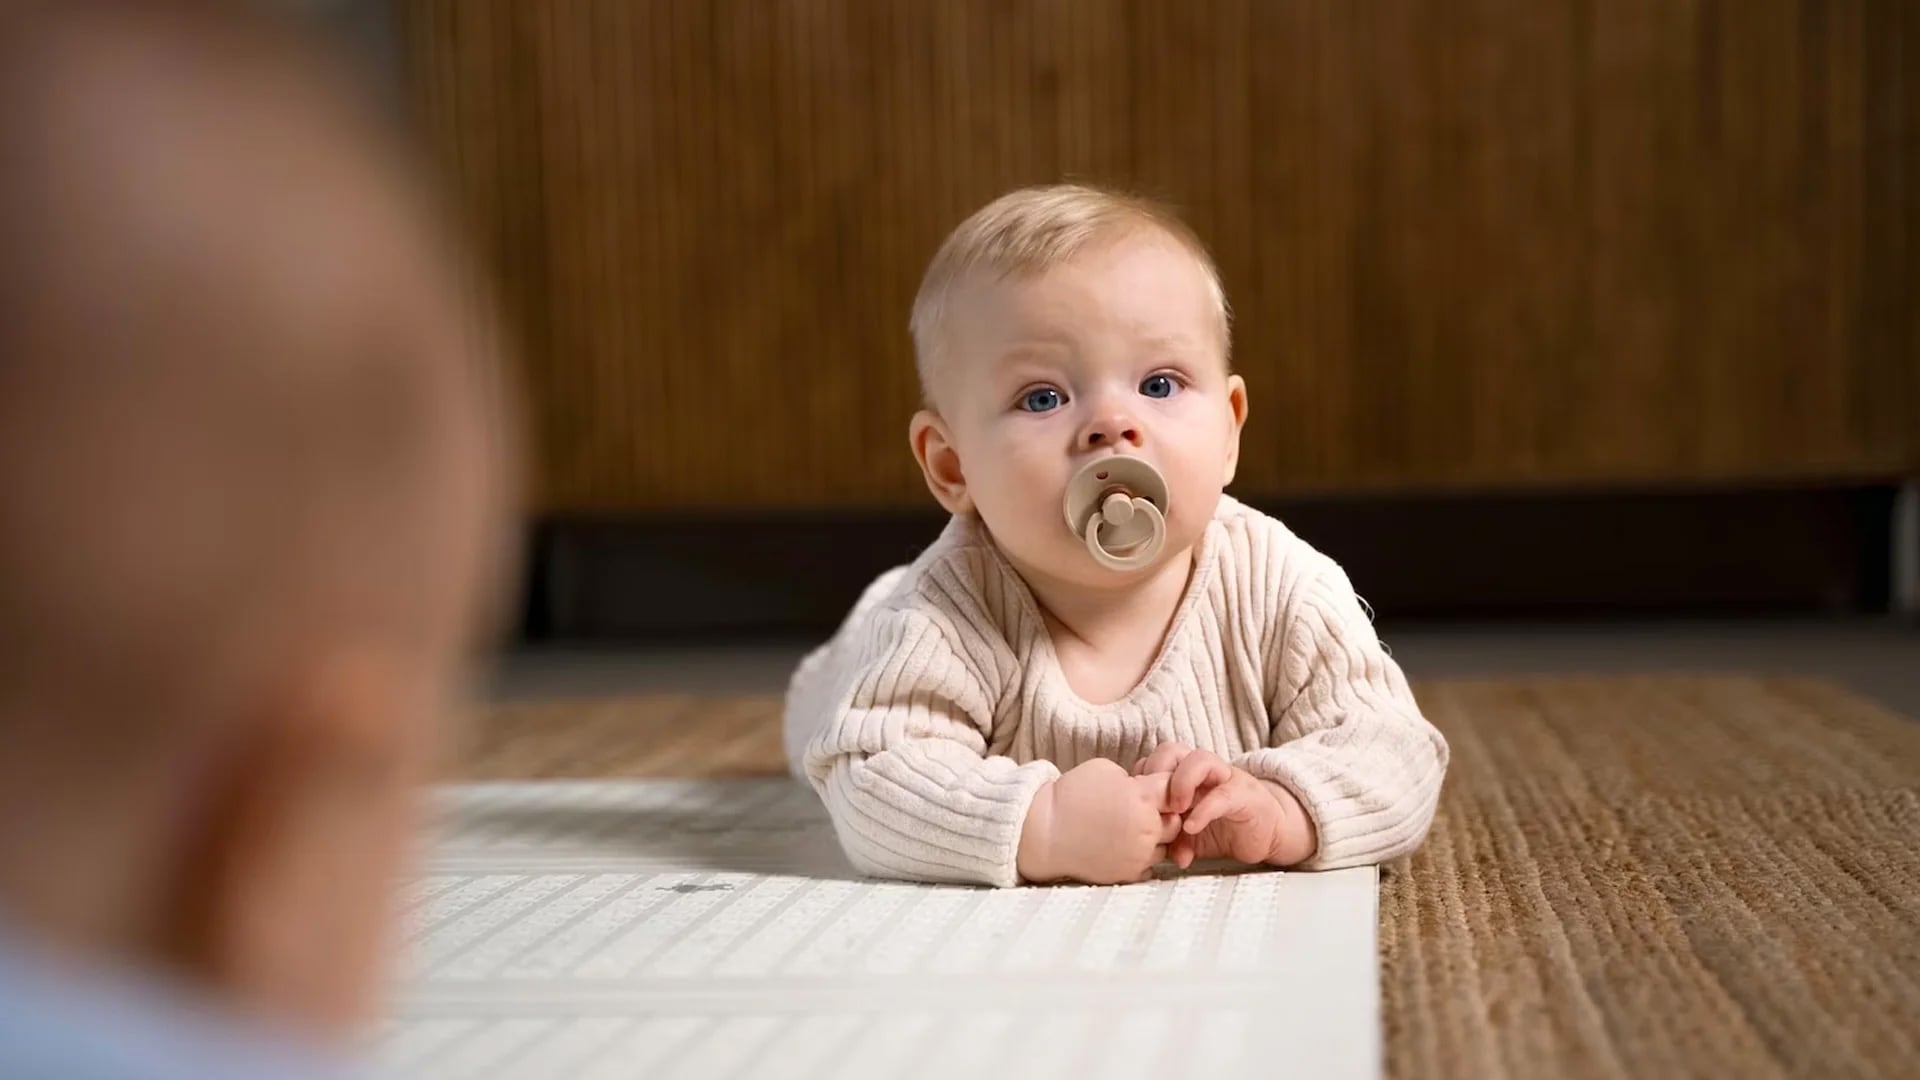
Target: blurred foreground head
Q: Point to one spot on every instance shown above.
(253, 495)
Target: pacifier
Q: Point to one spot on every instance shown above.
(1118, 505)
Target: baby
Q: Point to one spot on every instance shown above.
(1096, 599)
(255, 512)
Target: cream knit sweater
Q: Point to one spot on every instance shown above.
(936, 711)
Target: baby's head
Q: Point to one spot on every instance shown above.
(253, 471)
(1062, 324)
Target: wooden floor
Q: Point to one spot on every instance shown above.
(1629, 876)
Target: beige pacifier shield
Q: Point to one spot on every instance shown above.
(1118, 506)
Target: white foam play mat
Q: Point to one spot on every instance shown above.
(706, 929)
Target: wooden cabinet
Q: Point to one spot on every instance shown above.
(1483, 244)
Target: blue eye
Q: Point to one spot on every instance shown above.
(1044, 399)
(1158, 386)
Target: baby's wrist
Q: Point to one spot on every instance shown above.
(1034, 861)
(1295, 841)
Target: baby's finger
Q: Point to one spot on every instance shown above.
(1213, 806)
(1198, 770)
(1152, 789)
(1181, 851)
(1164, 758)
(1169, 828)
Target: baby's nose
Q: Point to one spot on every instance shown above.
(1111, 429)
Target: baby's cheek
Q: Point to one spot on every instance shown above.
(1022, 480)
(1027, 520)
(1018, 515)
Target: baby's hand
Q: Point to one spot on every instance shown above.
(1228, 813)
(1098, 825)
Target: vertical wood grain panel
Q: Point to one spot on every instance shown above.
(1481, 244)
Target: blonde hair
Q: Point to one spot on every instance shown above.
(1031, 230)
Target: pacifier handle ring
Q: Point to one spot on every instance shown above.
(1148, 549)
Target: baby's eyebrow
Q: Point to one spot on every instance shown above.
(1032, 350)
(1174, 342)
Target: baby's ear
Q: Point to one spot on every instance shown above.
(1237, 407)
(939, 461)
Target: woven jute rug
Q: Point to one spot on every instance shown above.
(1628, 877)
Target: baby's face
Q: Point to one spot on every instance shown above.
(1118, 351)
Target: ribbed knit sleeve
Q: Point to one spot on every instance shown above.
(901, 761)
(1346, 735)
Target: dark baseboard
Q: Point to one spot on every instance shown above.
(1707, 553)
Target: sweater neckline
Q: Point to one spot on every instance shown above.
(1198, 581)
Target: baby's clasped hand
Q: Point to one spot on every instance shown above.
(1101, 825)
(1227, 812)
